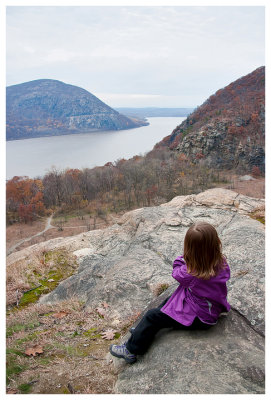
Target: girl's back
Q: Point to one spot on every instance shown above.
(202, 273)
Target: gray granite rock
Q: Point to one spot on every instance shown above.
(123, 265)
(226, 359)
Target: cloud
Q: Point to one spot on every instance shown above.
(59, 55)
(170, 51)
(29, 49)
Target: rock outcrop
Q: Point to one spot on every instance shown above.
(46, 107)
(227, 359)
(228, 130)
(126, 263)
(218, 149)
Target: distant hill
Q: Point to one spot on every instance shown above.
(47, 107)
(154, 112)
(228, 129)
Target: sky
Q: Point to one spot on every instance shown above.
(136, 56)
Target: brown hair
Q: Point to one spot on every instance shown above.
(202, 250)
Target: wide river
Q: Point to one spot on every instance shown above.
(34, 157)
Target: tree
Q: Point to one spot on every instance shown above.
(256, 172)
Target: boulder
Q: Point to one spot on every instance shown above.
(125, 263)
(247, 178)
(226, 359)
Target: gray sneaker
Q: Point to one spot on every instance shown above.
(121, 351)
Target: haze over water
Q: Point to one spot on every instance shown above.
(34, 157)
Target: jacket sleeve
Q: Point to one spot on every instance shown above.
(180, 273)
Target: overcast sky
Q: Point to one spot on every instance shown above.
(136, 56)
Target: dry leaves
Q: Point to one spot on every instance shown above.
(240, 273)
(109, 334)
(33, 351)
(101, 311)
(12, 391)
(60, 314)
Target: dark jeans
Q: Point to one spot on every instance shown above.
(151, 323)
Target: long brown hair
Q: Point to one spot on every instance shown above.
(202, 250)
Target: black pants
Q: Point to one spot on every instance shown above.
(151, 323)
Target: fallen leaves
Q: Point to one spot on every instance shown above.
(101, 311)
(33, 351)
(60, 314)
(54, 339)
(240, 273)
(12, 391)
(109, 334)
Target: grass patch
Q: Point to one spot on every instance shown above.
(21, 327)
(14, 351)
(160, 288)
(27, 338)
(54, 267)
(259, 216)
(13, 368)
(25, 388)
(73, 345)
(91, 334)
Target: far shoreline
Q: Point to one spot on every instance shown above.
(77, 133)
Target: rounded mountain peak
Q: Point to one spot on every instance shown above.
(51, 107)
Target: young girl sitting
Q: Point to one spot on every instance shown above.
(202, 272)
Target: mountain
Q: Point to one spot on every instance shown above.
(228, 129)
(47, 107)
(155, 112)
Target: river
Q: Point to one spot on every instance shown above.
(34, 157)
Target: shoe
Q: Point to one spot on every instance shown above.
(121, 351)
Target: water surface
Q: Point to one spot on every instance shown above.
(34, 157)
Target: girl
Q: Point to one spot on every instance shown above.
(202, 272)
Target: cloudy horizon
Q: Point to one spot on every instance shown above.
(136, 56)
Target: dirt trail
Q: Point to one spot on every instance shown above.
(47, 227)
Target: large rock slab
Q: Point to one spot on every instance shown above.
(124, 263)
(227, 359)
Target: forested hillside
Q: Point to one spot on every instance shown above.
(225, 133)
(138, 182)
(228, 129)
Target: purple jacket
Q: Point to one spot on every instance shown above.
(196, 297)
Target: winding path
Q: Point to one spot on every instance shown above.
(47, 227)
